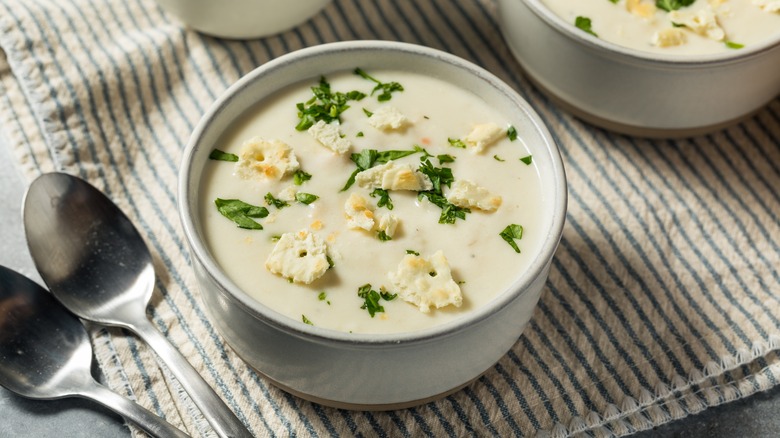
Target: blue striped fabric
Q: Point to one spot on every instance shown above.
(662, 299)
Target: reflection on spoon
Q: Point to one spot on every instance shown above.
(45, 353)
(98, 266)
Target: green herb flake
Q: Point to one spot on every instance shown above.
(497, 158)
(527, 159)
(387, 296)
(511, 133)
(439, 176)
(330, 261)
(367, 112)
(456, 142)
(299, 177)
(425, 154)
(384, 198)
(733, 45)
(445, 158)
(241, 213)
(449, 212)
(367, 158)
(381, 235)
(278, 203)
(275, 238)
(219, 155)
(326, 105)
(323, 296)
(510, 233)
(306, 198)
(411, 251)
(386, 88)
(359, 134)
(672, 5)
(371, 299)
(306, 320)
(584, 23)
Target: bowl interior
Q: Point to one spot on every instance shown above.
(628, 54)
(311, 63)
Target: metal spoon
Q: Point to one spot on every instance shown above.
(45, 353)
(95, 263)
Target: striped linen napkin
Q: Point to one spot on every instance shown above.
(662, 299)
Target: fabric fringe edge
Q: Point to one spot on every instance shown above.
(682, 397)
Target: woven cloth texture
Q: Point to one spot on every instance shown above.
(662, 299)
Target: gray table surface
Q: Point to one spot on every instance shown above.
(755, 416)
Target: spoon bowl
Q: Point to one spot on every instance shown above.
(45, 353)
(97, 265)
(87, 251)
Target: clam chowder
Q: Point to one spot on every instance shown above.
(373, 202)
(684, 27)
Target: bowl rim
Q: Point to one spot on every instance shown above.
(520, 286)
(700, 60)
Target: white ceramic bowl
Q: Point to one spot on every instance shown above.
(242, 19)
(635, 92)
(356, 370)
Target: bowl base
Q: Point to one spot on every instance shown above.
(367, 407)
(633, 130)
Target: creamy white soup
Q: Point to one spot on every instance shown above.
(681, 27)
(442, 210)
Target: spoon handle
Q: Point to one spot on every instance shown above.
(216, 412)
(133, 412)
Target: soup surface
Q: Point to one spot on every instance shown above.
(681, 27)
(368, 259)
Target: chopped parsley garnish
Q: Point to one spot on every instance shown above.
(367, 112)
(306, 320)
(583, 23)
(527, 159)
(381, 235)
(323, 296)
(330, 261)
(275, 238)
(367, 158)
(217, 154)
(733, 45)
(425, 155)
(386, 88)
(278, 203)
(411, 251)
(441, 176)
(511, 133)
(384, 198)
(449, 212)
(497, 158)
(371, 299)
(456, 142)
(359, 134)
(510, 233)
(438, 175)
(672, 5)
(299, 177)
(326, 105)
(445, 158)
(241, 213)
(306, 198)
